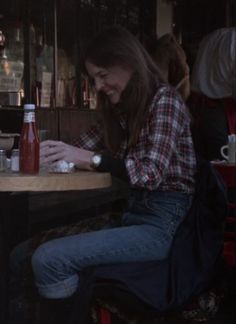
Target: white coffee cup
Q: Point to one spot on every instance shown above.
(231, 148)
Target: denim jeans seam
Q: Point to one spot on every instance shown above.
(120, 251)
(123, 251)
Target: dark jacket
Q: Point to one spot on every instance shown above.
(192, 265)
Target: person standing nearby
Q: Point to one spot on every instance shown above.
(213, 92)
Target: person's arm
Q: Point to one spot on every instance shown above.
(79, 153)
(91, 139)
(146, 167)
(53, 151)
(115, 166)
(149, 162)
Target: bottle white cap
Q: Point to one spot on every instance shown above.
(29, 106)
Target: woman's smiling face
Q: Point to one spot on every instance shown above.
(112, 80)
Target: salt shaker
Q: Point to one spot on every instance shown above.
(3, 160)
(15, 160)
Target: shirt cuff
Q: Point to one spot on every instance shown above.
(116, 167)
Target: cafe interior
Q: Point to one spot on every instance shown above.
(40, 63)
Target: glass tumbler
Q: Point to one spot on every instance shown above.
(3, 161)
(15, 160)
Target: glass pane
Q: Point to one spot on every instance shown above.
(66, 53)
(42, 52)
(11, 53)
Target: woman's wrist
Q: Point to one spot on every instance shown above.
(116, 167)
(84, 160)
(96, 160)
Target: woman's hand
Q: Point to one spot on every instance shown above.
(53, 151)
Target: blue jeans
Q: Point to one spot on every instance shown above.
(146, 233)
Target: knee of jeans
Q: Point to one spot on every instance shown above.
(41, 260)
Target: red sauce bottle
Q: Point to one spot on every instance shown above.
(29, 142)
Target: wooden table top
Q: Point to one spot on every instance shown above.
(79, 180)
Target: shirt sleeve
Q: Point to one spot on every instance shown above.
(91, 140)
(113, 165)
(149, 161)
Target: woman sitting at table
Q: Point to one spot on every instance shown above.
(144, 139)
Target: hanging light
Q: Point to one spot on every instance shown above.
(3, 59)
(4, 63)
(2, 40)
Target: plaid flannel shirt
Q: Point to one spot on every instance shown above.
(163, 158)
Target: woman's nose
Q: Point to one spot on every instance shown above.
(98, 84)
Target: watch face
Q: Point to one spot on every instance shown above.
(96, 160)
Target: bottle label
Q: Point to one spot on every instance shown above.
(29, 117)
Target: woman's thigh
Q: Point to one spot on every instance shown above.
(57, 264)
(143, 237)
(106, 246)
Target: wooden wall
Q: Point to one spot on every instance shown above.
(63, 123)
(73, 121)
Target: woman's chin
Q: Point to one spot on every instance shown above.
(114, 101)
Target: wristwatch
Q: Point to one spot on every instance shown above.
(96, 160)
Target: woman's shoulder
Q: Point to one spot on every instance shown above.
(166, 91)
(167, 100)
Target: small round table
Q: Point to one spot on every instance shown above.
(79, 180)
(43, 182)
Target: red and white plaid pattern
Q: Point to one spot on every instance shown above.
(164, 156)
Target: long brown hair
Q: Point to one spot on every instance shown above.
(117, 46)
(171, 59)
